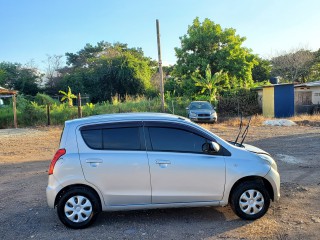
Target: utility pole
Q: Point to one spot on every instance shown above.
(160, 66)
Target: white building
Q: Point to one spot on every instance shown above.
(306, 97)
(307, 93)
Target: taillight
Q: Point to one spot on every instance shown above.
(56, 157)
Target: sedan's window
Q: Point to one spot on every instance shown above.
(93, 138)
(175, 140)
(200, 106)
(121, 138)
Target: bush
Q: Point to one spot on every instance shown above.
(43, 99)
(243, 100)
(31, 113)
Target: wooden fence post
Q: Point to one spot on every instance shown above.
(79, 106)
(48, 114)
(14, 103)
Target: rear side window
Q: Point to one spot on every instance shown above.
(93, 138)
(113, 138)
(175, 140)
(121, 138)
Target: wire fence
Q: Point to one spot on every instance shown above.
(33, 112)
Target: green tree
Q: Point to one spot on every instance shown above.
(106, 70)
(314, 71)
(211, 84)
(15, 76)
(207, 43)
(262, 71)
(68, 96)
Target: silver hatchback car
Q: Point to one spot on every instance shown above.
(148, 160)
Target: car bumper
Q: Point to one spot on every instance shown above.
(203, 119)
(52, 191)
(274, 179)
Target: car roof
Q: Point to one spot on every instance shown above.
(127, 117)
(199, 102)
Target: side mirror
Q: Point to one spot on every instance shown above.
(215, 146)
(211, 147)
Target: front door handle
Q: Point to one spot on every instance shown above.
(163, 162)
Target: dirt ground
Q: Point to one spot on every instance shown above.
(25, 155)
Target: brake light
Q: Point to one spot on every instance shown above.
(56, 157)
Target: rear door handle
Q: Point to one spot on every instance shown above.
(94, 160)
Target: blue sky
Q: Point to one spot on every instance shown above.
(30, 29)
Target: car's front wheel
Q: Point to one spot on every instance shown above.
(250, 200)
(78, 208)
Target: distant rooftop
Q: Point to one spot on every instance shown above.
(7, 91)
(309, 84)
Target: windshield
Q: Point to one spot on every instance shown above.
(200, 105)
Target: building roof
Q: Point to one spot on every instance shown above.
(309, 84)
(7, 91)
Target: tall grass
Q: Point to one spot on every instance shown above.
(258, 120)
(33, 114)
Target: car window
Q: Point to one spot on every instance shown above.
(175, 140)
(93, 138)
(200, 105)
(121, 138)
(112, 138)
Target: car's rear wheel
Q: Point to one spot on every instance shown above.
(250, 200)
(78, 208)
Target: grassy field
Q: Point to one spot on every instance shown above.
(31, 113)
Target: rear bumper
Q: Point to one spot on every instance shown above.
(52, 191)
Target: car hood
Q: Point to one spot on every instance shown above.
(254, 149)
(197, 111)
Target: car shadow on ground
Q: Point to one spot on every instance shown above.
(174, 223)
(27, 214)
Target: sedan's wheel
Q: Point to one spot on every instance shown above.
(78, 208)
(250, 200)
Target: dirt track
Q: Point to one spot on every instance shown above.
(26, 153)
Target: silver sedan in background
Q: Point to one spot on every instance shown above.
(201, 111)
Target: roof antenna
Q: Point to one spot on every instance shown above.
(244, 135)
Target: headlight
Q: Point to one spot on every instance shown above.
(214, 114)
(270, 161)
(192, 114)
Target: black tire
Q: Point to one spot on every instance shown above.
(85, 212)
(249, 191)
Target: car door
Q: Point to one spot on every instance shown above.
(114, 159)
(180, 171)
